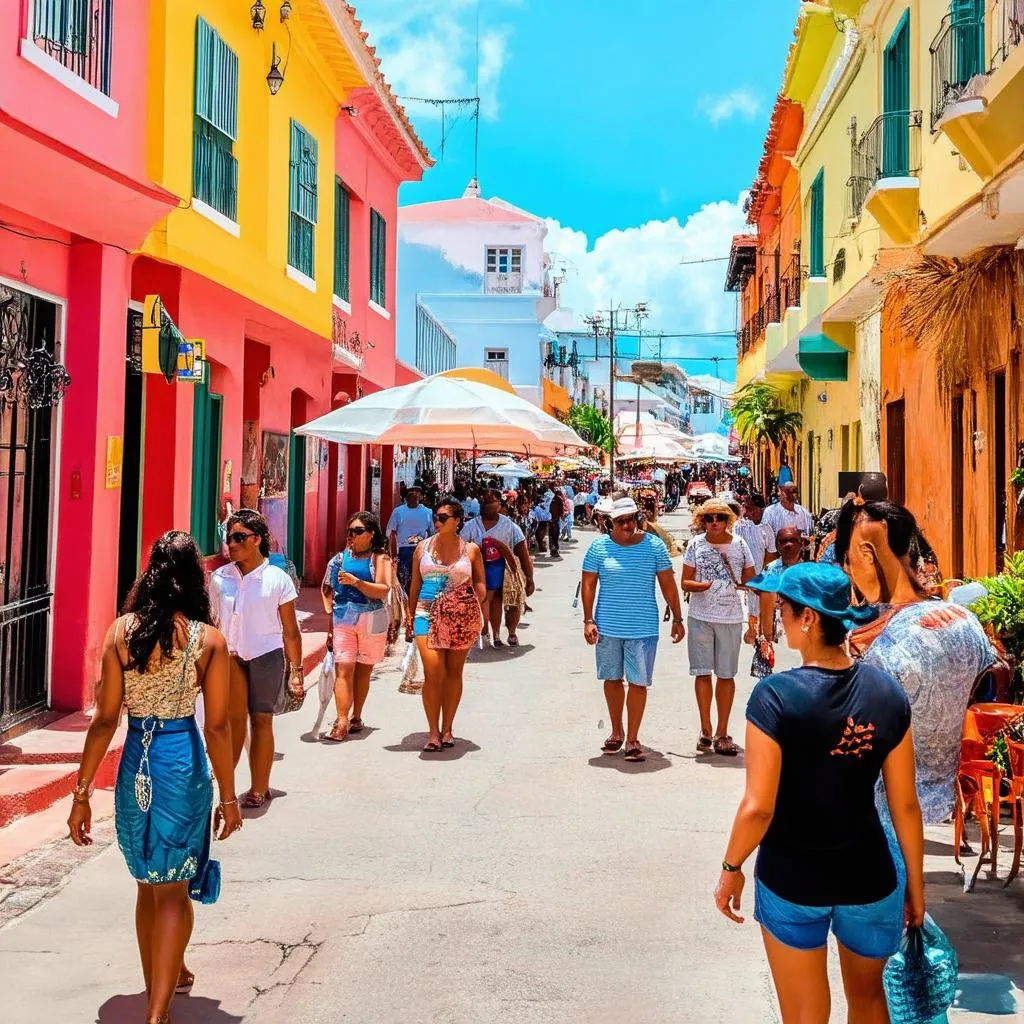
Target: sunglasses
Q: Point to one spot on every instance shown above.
(239, 538)
(716, 517)
(443, 517)
(357, 531)
(626, 520)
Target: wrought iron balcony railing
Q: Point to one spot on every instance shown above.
(1007, 29)
(958, 55)
(889, 148)
(781, 295)
(77, 34)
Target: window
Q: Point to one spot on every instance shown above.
(378, 259)
(818, 225)
(496, 359)
(214, 166)
(207, 418)
(703, 404)
(504, 269)
(77, 34)
(302, 200)
(896, 102)
(342, 212)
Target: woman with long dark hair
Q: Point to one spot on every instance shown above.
(254, 604)
(157, 659)
(355, 592)
(446, 595)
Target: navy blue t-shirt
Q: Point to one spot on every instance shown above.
(825, 846)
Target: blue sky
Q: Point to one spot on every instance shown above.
(634, 127)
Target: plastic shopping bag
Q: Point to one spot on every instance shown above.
(411, 680)
(325, 689)
(921, 979)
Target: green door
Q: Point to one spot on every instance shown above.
(297, 501)
(896, 103)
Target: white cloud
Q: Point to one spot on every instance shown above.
(654, 263)
(740, 102)
(429, 49)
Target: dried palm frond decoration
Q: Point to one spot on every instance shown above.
(967, 311)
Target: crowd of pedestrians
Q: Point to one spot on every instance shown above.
(862, 738)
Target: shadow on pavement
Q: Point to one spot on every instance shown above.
(251, 813)
(986, 928)
(714, 760)
(415, 741)
(187, 1010)
(504, 653)
(656, 762)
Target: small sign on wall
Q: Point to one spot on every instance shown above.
(115, 462)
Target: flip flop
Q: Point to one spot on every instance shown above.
(635, 753)
(448, 744)
(254, 801)
(725, 747)
(612, 745)
(333, 735)
(432, 748)
(498, 642)
(513, 640)
(355, 725)
(186, 979)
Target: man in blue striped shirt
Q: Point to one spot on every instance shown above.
(619, 573)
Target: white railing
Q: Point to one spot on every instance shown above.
(503, 284)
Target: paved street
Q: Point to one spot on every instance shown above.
(520, 878)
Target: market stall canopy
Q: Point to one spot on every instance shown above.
(712, 448)
(480, 376)
(661, 447)
(625, 423)
(447, 412)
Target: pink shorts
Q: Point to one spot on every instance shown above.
(355, 645)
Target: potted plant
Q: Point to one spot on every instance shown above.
(1001, 612)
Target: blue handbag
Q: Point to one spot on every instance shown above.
(921, 979)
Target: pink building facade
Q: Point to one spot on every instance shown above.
(75, 201)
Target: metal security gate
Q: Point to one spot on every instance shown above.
(31, 385)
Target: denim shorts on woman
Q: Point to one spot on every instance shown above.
(632, 659)
(871, 930)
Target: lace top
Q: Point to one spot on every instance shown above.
(158, 691)
(460, 571)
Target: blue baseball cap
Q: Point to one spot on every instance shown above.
(823, 587)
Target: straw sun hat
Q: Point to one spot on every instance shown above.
(713, 506)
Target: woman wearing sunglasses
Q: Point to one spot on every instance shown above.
(447, 592)
(355, 590)
(715, 568)
(254, 602)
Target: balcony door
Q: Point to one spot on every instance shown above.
(896, 103)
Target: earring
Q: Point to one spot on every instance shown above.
(805, 628)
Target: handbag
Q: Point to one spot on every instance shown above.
(762, 665)
(287, 701)
(921, 978)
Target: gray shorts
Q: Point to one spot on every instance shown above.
(266, 682)
(714, 647)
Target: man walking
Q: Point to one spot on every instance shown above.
(556, 509)
(410, 523)
(751, 527)
(570, 508)
(788, 512)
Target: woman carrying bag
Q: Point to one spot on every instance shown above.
(356, 590)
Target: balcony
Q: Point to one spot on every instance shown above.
(886, 162)
(78, 35)
(782, 294)
(958, 57)
(497, 283)
(984, 121)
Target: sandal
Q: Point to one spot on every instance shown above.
(355, 725)
(704, 744)
(336, 733)
(513, 640)
(725, 746)
(498, 642)
(612, 745)
(186, 979)
(447, 744)
(634, 752)
(254, 801)
(432, 748)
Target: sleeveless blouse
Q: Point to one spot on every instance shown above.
(158, 691)
(454, 575)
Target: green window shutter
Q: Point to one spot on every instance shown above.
(342, 238)
(302, 199)
(214, 165)
(378, 258)
(293, 167)
(207, 422)
(204, 69)
(818, 225)
(968, 26)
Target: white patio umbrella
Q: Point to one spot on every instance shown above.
(447, 412)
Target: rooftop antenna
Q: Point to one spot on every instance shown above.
(476, 137)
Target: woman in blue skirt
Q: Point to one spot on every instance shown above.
(157, 659)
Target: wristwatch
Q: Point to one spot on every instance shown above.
(731, 868)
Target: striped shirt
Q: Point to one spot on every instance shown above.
(626, 574)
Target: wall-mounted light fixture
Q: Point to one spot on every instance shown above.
(258, 13)
(275, 79)
(267, 376)
(286, 10)
(351, 110)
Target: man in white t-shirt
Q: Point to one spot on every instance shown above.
(752, 528)
(788, 512)
(410, 523)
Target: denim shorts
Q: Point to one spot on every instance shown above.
(871, 930)
(629, 659)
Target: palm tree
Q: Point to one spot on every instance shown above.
(760, 416)
(592, 425)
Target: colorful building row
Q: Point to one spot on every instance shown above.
(242, 164)
(894, 159)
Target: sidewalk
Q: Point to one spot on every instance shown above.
(38, 770)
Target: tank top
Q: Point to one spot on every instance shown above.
(350, 603)
(158, 690)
